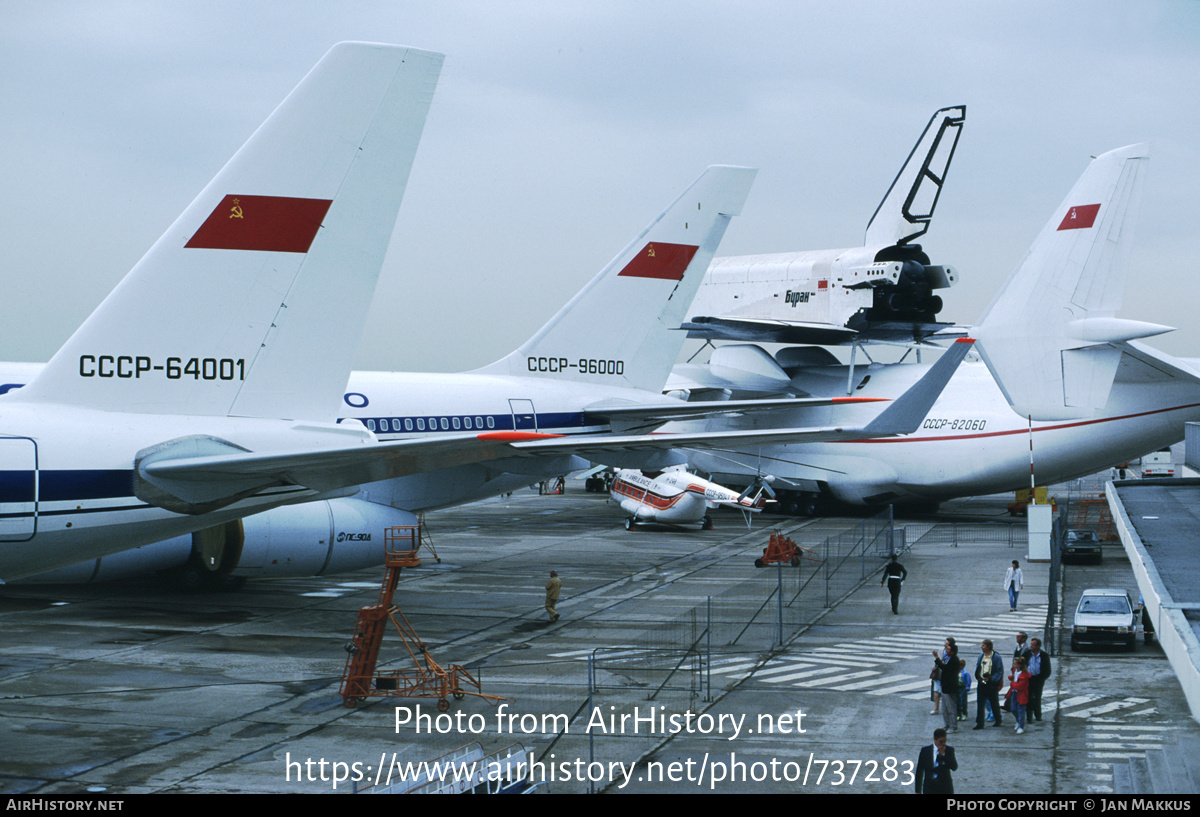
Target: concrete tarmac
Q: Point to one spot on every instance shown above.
(141, 688)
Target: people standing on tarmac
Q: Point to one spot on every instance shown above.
(1019, 689)
(964, 689)
(1022, 648)
(934, 766)
(935, 677)
(1039, 672)
(553, 588)
(1013, 582)
(894, 574)
(949, 680)
(989, 673)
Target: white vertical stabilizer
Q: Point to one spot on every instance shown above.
(622, 328)
(1047, 336)
(249, 305)
(907, 208)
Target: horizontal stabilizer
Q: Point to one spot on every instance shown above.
(905, 414)
(1046, 335)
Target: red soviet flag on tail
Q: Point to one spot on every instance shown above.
(1080, 217)
(660, 260)
(267, 223)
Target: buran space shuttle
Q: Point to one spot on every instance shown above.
(881, 291)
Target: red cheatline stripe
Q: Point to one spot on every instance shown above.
(515, 436)
(646, 497)
(265, 223)
(660, 260)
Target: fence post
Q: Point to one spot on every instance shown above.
(708, 654)
(591, 670)
(779, 602)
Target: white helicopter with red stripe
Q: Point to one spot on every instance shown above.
(681, 499)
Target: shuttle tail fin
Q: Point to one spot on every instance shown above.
(242, 306)
(623, 327)
(1048, 335)
(907, 207)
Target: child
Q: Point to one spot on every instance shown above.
(964, 680)
(1020, 692)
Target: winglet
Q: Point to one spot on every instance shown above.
(905, 414)
(621, 328)
(248, 304)
(1046, 336)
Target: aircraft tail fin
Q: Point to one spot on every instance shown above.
(1048, 335)
(242, 306)
(907, 207)
(623, 327)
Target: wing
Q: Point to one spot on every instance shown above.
(629, 417)
(199, 474)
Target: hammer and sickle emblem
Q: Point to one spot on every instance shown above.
(651, 251)
(236, 210)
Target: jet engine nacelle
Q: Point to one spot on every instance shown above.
(312, 539)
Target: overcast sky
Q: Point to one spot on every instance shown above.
(559, 129)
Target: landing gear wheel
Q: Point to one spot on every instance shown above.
(759, 563)
(458, 696)
(630, 524)
(443, 705)
(706, 524)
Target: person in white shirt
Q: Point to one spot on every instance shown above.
(1013, 582)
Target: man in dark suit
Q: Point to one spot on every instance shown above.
(934, 765)
(1039, 670)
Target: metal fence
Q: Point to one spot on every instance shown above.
(684, 663)
(741, 626)
(957, 534)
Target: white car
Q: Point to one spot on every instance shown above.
(1104, 616)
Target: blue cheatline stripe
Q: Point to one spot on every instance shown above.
(65, 486)
(71, 485)
(16, 486)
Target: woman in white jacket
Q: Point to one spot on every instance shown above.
(1013, 582)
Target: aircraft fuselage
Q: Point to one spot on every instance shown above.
(970, 443)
